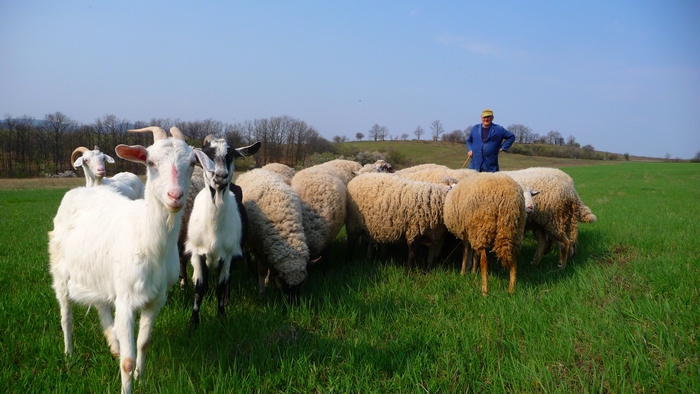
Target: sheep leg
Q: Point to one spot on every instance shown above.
(263, 275)
(564, 246)
(352, 241)
(484, 272)
(124, 330)
(223, 285)
(107, 322)
(200, 278)
(513, 268)
(146, 322)
(543, 245)
(411, 257)
(467, 258)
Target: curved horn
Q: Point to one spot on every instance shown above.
(158, 133)
(96, 148)
(177, 134)
(74, 155)
(207, 139)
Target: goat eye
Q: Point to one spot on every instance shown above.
(150, 163)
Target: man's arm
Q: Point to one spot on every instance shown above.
(509, 139)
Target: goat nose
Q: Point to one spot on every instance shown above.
(176, 195)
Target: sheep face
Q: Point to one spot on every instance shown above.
(169, 164)
(92, 161)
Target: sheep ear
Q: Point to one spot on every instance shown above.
(204, 160)
(78, 163)
(135, 153)
(109, 159)
(248, 150)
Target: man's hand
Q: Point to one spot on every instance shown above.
(470, 154)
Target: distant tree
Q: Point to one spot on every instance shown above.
(555, 138)
(359, 136)
(588, 151)
(437, 129)
(571, 140)
(418, 132)
(667, 157)
(56, 126)
(375, 132)
(337, 139)
(522, 133)
(384, 133)
(455, 136)
(627, 156)
(404, 136)
(696, 158)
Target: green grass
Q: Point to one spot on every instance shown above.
(622, 317)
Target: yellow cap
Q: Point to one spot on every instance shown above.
(486, 112)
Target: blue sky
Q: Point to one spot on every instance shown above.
(623, 76)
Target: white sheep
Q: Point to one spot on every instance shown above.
(323, 194)
(487, 211)
(276, 237)
(386, 208)
(284, 171)
(93, 165)
(111, 252)
(215, 228)
(558, 210)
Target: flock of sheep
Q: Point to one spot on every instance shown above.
(119, 244)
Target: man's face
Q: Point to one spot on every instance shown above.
(486, 121)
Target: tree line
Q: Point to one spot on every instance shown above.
(31, 147)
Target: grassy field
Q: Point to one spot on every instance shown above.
(622, 317)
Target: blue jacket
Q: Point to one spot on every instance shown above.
(485, 154)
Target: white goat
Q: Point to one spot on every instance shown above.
(93, 164)
(216, 224)
(108, 251)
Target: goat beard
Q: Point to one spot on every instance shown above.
(170, 222)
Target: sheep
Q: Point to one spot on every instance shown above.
(558, 211)
(93, 164)
(276, 238)
(215, 226)
(198, 183)
(421, 167)
(284, 171)
(487, 211)
(387, 208)
(344, 169)
(323, 194)
(111, 252)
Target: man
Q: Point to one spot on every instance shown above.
(484, 143)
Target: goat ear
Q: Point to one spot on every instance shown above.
(135, 153)
(109, 159)
(534, 193)
(204, 160)
(78, 163)
(248, 150)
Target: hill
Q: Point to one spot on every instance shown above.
(452, 154)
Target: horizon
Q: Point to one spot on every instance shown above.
(622, 77)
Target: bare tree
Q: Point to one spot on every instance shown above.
(375, 131)
(384, 133)
(359, 136)
(555, 138)
(404, 136)
(437, 129)
(418, 132)
(522, 133)
(56, 126)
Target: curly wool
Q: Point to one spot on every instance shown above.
(323, 199)
(283, 171)
(558, 208)
(438, 174)
(488, 211)
(276, 234)
(389, 208)
(343, 169)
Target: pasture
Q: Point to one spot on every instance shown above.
(622, 317)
